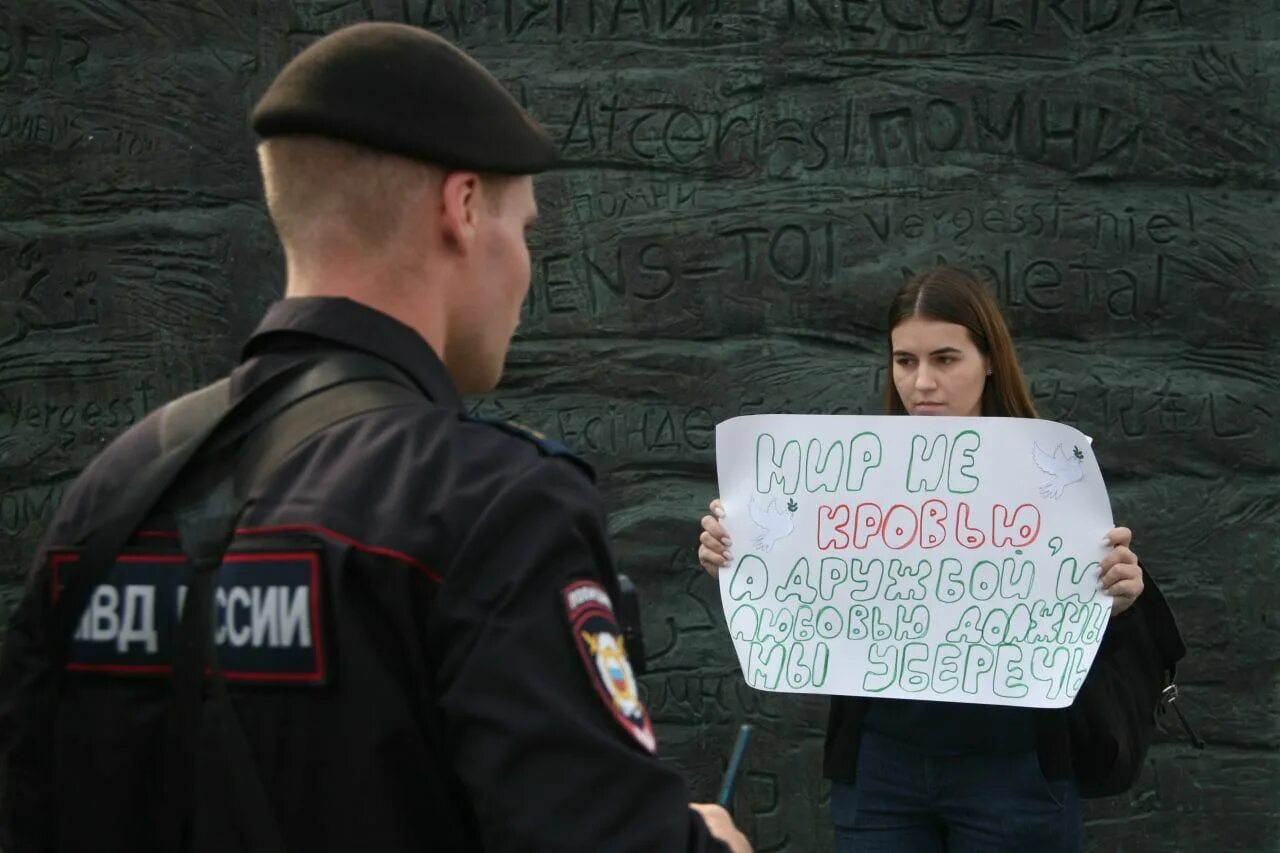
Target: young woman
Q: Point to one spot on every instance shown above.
(928, 777)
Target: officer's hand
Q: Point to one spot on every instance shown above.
(720, 825)
(713, 544)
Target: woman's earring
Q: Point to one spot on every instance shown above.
(988, 371)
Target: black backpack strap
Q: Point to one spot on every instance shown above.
(110, 535)
(206, 528)
(1160, 622)
(206, 423)
(188, 416)
(187, 427)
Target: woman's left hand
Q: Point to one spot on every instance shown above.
(1121, 575)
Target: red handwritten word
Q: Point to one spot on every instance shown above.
(928, 526)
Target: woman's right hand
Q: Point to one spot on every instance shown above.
(714, 543)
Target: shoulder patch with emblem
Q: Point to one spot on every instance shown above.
(599, 640)
(546, 446)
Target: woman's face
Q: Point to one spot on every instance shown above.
(937, 369)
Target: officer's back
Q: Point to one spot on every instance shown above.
(415, 615)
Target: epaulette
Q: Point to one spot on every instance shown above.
(546, 446)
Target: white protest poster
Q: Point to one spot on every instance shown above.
(954, 559)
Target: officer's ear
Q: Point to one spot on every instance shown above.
(461, 200)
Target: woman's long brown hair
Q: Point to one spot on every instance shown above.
(956, 294)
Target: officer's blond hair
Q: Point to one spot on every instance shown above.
(321, 189)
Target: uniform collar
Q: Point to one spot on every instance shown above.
(347, 323)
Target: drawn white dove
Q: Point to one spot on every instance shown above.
(776, 523)
(1063, 469)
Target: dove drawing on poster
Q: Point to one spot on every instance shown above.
(1063, 469)
(774, 523)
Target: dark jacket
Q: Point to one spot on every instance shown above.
(415, 619)
(1100, 742)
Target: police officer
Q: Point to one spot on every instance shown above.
(410, 641)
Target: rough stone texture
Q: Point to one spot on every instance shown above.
(748, 182)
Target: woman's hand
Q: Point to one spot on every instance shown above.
(713, 544)
(1121, 575)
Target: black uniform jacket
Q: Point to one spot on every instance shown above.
(416, 622)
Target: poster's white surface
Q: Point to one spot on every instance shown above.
(931, 558)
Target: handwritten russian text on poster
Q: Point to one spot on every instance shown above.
(942, 558)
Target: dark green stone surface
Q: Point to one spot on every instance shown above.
(748, 182)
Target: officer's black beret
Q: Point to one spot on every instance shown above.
(404, 90)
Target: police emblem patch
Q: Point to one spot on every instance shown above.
(600, 641)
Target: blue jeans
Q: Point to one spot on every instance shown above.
(905, 801)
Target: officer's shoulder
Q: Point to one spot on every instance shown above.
(517, 438)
